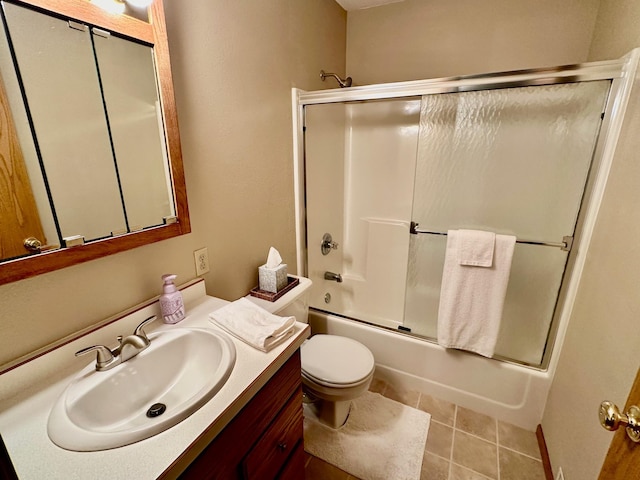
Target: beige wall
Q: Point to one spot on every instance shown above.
(599, 357)
(418, 39)
(234, 63)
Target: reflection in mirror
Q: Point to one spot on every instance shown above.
(93, 128)
(89, 141)
(129, 87)
(24, 204)
(56, 64)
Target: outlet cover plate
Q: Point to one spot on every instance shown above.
(201, 258)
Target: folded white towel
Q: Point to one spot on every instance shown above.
(253, 325)
(475, 247)
(472, 297)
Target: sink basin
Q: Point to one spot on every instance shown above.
(183, 368)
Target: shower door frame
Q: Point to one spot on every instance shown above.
(621, 73)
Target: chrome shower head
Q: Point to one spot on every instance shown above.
(343, 83)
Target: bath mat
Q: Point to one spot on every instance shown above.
(381, 439)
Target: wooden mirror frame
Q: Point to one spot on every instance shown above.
(154, 34)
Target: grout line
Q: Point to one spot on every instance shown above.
(497, 448)
(441, 423)
(473, 471)
(521, 453)
(453, 440)
(476, 436)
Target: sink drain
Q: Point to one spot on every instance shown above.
(156, 410)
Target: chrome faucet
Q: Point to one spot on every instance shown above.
(128, 347)
(336, 277)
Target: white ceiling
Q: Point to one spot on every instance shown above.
(349, 5)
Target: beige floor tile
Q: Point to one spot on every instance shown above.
(476, 423)
(475, 454)
(461, 473)
(399, 394)
(318, 469)
(440, 410)
(307, 458)
(439, 439)
(378, 386)
(518, 439)
(514, 466)
(434, 468)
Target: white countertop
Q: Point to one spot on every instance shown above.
(28, 392)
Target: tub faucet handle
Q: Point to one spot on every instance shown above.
(328, 244)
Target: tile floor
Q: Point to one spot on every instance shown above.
(461, 445)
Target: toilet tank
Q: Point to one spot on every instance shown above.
(293, 303)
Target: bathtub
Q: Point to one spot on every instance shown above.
(509, 392)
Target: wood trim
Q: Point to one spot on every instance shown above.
(26, 267)
(544, 454)
(167, 97)
(153, 33)
(85, 11)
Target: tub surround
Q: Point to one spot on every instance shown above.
(28, 391)
(512, 393)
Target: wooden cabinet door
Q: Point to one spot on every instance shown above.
(19, 218)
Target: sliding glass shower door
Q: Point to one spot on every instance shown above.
(511, 160)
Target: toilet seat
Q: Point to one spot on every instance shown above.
(336, 362)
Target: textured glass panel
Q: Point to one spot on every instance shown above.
(536, 274)
(510, 160)
(61, 82)
(128, 79)
(360, 163)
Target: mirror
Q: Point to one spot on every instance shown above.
(90, 138)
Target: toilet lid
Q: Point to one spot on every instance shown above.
(336, 360)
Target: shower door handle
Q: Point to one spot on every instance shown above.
(611, 419)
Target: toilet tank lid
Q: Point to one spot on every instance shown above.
(286, 299)
(336, 359)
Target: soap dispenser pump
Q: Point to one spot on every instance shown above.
(171, 303)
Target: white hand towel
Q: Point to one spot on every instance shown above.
(475, 248)
(253, 325)
(472, 297)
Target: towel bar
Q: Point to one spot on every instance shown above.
(565, 245)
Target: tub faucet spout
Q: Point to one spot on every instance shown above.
(336, 277)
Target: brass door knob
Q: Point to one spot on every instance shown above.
(611, 419)
(32, 244)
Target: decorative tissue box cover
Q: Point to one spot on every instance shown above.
(272, 279)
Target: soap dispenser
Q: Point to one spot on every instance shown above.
(171, 303)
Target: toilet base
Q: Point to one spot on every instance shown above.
(331, 414)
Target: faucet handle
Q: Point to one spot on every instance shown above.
(139, 329)
(104, 355)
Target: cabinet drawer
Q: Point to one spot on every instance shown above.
(294, 469)
(223, 458)
(273, 449)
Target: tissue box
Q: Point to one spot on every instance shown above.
(272, 279)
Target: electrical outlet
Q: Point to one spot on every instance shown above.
(202, 261)
(560, 475)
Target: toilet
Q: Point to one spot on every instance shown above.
(335, 369)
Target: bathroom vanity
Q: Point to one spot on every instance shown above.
(251, 428)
